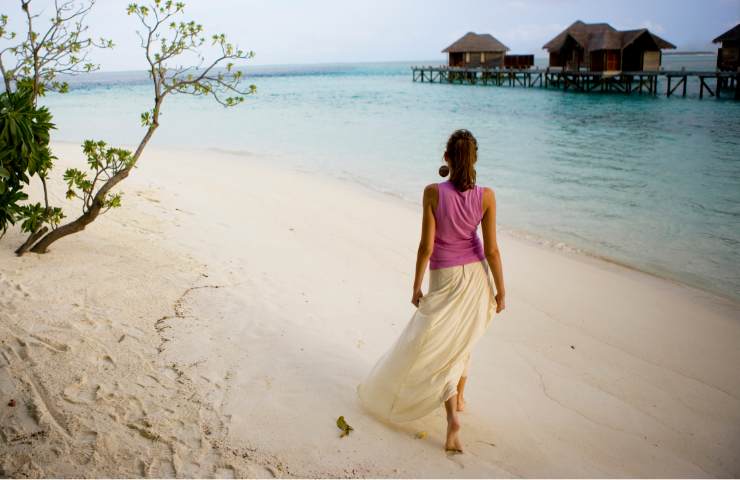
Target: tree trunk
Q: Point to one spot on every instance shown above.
(83, 220)
(30, 240)
(88, 217)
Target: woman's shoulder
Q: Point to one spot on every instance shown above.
(431, 194)
(431, 190)
(486, 191)
(488, 197)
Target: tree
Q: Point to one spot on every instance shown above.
(61, 47)
(24, 152)
(29, 69)
(167, 44)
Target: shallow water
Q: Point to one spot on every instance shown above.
(650, 182)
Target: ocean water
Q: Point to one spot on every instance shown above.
(650, 182)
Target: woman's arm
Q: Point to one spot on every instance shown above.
(490, 246)
(426, 244)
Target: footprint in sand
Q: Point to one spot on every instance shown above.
(11, 293)
(53, 345)
(80, 392)
(143, 468)
(225, 472)
(88, 440)
(164, 469)
(147, 195)
(109, 361)
(453, 457)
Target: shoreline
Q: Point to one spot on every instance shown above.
(217, 325)
(524, 235)
(529, 236)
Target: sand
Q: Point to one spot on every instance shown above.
(218, 323)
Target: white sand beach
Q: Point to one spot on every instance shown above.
(218, 323)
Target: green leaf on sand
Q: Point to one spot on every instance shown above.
(343, 426)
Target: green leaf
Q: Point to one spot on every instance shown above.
(343, 426)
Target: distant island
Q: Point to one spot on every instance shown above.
(689, 53)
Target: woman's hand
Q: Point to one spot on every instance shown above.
(500, 302)
(416, 297)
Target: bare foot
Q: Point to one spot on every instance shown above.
(453, 445)
(460, 403)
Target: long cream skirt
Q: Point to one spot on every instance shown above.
(422, 369)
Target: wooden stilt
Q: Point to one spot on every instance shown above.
(582, 81)
(703, 85)
(718, 87)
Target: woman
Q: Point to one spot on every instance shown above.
(428, 365)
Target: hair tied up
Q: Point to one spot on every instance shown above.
(462, 154)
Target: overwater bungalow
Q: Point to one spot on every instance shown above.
(728, 55)
(586, 57)
(599, 47)
(476, 50)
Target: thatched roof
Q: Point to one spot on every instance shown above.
(729, 35)
(580, 32)
(629, 36)
(601, 36)
(474, 42)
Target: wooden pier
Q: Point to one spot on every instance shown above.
(640, 83)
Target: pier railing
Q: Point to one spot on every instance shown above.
(713, 83)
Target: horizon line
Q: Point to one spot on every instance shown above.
(428, 61)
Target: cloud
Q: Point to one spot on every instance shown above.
(731, 24)
(529, 36)
(652, 26)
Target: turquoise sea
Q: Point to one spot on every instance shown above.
(650, 182)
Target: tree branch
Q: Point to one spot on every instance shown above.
(185, 37)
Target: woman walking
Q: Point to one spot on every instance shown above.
(428, 364)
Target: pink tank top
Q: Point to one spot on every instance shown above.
(457, 216)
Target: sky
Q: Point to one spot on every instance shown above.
(332, 31)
